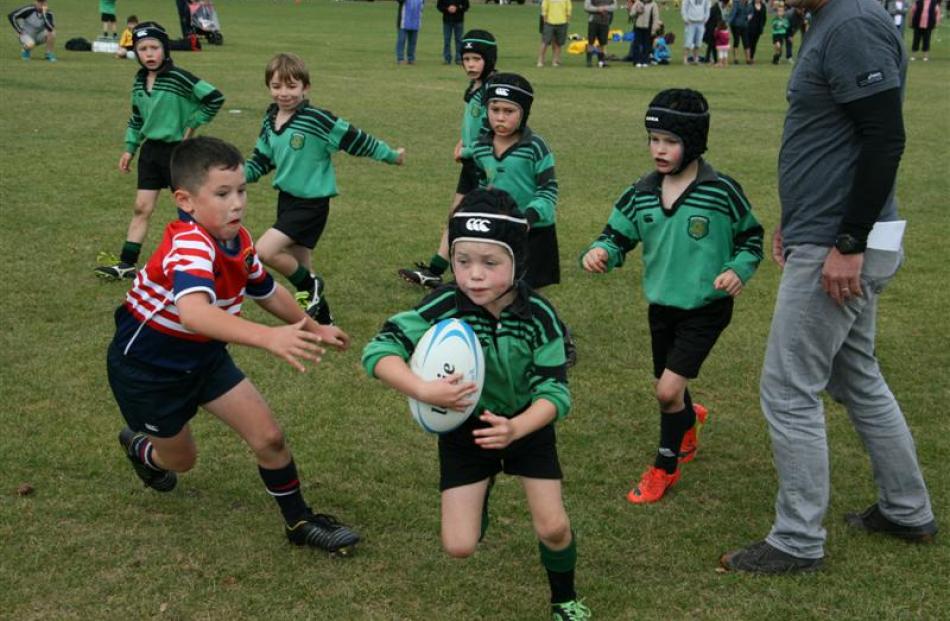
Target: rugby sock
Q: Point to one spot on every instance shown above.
(559, 565)
(775, 58)
(438, 265)
(302, 279)
(673, 426)
(284, 486)
(130, 252)
(142, 448)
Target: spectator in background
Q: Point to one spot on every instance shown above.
(645, 15)
(709, 35)
(555, 16)
(739, 26)
(695, 14)
(924, 17)
(408, 22)
(453, 25)
(757, 18)
(34, 24)
(599, 15)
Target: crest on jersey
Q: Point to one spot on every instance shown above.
(296, 141)
(249, 259)
(698, 227)
(477, 111)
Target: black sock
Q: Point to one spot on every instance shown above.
(673, 426)
(559, 565)
(775, 58)
(130, 252)
(302, 279)
(284, 486)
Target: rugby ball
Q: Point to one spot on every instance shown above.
(448, 347)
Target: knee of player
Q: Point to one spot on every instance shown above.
(667, 397)
(270, 442)
(144, 206)
(458, 548)
(554, 530)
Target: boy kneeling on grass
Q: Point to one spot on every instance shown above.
(169, 354)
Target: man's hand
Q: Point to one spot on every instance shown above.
(778, 250)
(841, 275)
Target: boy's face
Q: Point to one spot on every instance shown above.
(40, 5)
(666, 151)
(219, 203)
(473, 64)
(780, 11)
(151, 53)
(484, 272)
(504, 117)
(287, 93)
(131, 25)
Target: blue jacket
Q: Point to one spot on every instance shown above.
(741, 12)
(409, 16)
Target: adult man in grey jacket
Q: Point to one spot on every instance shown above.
(599, 15)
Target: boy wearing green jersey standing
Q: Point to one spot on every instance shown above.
(107, 14)
(479, 55)
(701, 244)
(168, 104)
(297, 140)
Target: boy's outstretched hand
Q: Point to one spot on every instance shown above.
(595, 261)
(448, 392)
(332, 336)
(400, 156)
(293, 342)
(729, 282)
(498, 436)
(125, 162)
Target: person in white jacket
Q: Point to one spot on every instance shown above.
(695, 13)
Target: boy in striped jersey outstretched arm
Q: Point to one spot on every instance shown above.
(701, 244)
(169, 354)
(168, 104)
(297, 140)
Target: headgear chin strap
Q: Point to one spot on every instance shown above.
(151, 30)
(683, 113)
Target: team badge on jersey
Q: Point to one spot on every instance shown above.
(296, 141)
(698, 227)
(477, 111)
(249, 258)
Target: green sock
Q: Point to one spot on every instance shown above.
(302, 279)
(438, 265)
(130, 252)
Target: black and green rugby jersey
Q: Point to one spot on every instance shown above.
(525, 171)
(709, 229)
(302, 148)
(524, 348)
(779, 26)
(473, 121)
(178, 101)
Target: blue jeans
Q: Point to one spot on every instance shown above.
(406, 40)
(448, 30)
(816, 345)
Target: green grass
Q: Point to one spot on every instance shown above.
(90, 543)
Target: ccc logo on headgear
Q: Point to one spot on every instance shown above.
(477, 224)
(499, 90)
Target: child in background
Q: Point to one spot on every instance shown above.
(779, 32)
(701, 244)
(661, 48)
(298, 140)
(107, 14)
(125, 41)
(479, 55)
(721, 38)
(169, 354)
(525, 390)
(168, 104)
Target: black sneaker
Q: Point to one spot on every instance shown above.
(873, 521)
(324, 532)
(421, 275)
(158, 480)
(762, 558)
(113, 268)
(315, 303)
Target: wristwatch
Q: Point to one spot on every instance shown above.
(849, 244)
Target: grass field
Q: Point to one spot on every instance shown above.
(91, 543)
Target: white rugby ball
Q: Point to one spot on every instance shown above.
(448, 347)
